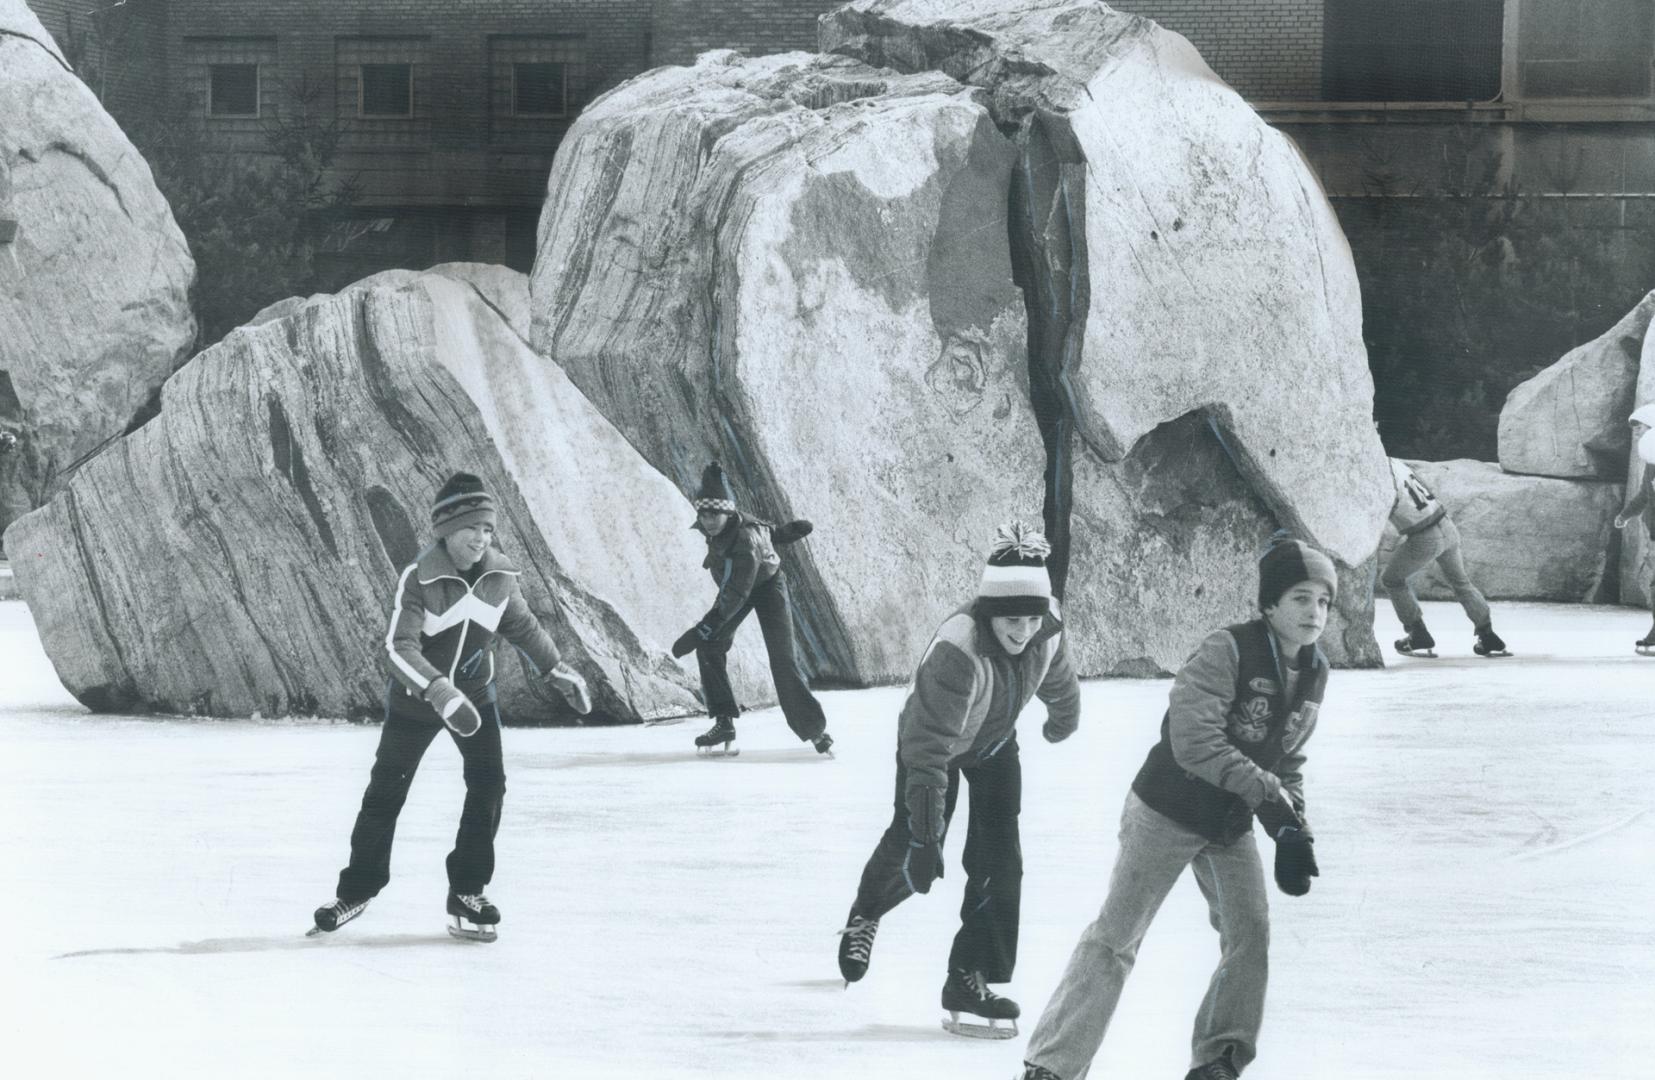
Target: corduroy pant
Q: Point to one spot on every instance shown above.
(769, 600)
(410, 725)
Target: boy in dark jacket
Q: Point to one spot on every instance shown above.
(985, 663)
(1231, 749)
(452, 605)
(741, 556)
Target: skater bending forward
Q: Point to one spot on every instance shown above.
(741, 556)
(1642, 503)
(1429, 536)
(452, 605)
(981, 668)
(1231, 748)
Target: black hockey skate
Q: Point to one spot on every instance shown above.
(1419, 642)
(1488, 644)
(718, 740)
(475, 919)
(966, 992)
(1220, 1068)
(331, 917)
(1646, 646)
(823, 744)
(856, 946)
(1031, 1071)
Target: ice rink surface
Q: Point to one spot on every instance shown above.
(1484, 910)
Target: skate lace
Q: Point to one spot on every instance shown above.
(343, 908)
(974, 980)
(860, 935)
(474, 901)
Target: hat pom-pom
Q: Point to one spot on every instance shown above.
(1015, 539)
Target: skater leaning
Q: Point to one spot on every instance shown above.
(981, 668)
(1430, 535)
(741, 556)
(1642, 503)
(452, 605)
(1232, 748)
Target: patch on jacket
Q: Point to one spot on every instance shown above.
(1262, 685)
(1250, 721)
(1299, 724)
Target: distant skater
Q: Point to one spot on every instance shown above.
(453, 604)
(1642, 503)
(1231, 749)
(1430, 535)
(741, 556)
(982, 667)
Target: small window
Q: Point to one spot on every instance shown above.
(1411, 50)
(537, 89)
(387, 90)
(233, 90)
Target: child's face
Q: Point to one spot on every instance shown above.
(467, 544)
(711, 522)
(1300, 616)
(1014, 631)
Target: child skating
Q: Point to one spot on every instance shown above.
(984, 664)
(1430, 535)
(453, 604)
(1642, 503)
(741, 556)
(1232, 747)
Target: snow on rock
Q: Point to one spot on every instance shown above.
(94, 271)
(1569, 421)
(236, 554)
(1182, 250)
(1523, 537)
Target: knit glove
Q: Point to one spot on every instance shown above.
(692, 639)
(1295, 859)
(569, 684)
(454, 707)
(1055, 732)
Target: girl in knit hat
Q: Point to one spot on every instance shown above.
(1642, 503)
(983, 665)
(741, 556)
(1231, 749)
(453, 604)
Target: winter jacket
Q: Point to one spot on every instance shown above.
(1643, 503)
(1231, 738)
(1415, 508)
(965, 700)
(739, 557)
(441, 626)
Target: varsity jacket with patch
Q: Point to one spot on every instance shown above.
(967, 695)
(739, 557)
(441, 626)
(1231, 737)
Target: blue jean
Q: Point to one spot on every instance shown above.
(1154, 850)
(1439, 544)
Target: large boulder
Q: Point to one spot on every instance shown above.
(94, 272)
(1569, 421)
(235, 555)
(799, 265)
(1182, 251)
(1523, 537)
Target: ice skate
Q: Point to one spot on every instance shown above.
(1645, 646)
(474, 918)
(1031, 1071)
(1220, 1068)
(856, 946)
(1489, 644)
(966, 992)
(1419, 642)
(718, 740)
(823, 744)
(330, 917)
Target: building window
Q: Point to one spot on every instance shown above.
(233, 90)
(539, 89)
(1585, 48)
(387, 90)
(1411, 50)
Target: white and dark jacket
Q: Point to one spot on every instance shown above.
(443, 626)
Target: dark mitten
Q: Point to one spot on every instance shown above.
(922, 864)
(792, 531)
(1295, 859)
(691, 639)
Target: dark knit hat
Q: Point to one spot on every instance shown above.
(1288, 561)
(461, 502)
(715, 491)
(1015, 581)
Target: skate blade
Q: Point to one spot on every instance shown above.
(729, 750)
(470, 931)
(1423, 654)
(315, 931)
(1645, 651)
(1494, 655)
(991, 1030)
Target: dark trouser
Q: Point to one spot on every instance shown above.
(410, 725)
(799, 705)
(987, 941)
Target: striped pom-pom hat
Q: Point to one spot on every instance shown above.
(1288, 561)
(715, 490)
(1015, 581)
(461, 502)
